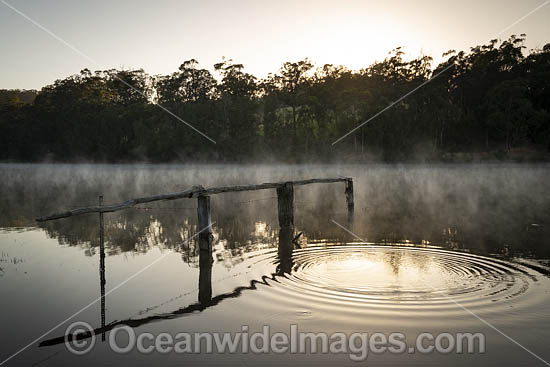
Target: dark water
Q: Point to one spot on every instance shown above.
(458, 248)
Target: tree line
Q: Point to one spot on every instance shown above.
(492, 101)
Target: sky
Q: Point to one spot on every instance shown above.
(160, 35)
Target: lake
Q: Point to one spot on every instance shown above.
(439, 249)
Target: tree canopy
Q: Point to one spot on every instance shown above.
(493, 100)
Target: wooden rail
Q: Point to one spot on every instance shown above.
(195, 191)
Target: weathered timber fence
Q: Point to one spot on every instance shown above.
(285, 201)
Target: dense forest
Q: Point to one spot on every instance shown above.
(492, 102)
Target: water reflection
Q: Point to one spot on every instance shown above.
(284, 250)
(205, 299)
(389, 281)
(102, 279)
(410, 216)
(205, 277)
(380, 281)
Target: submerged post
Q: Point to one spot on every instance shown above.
(349, 200)
(205, 223)
(285, 201)
(101, 229)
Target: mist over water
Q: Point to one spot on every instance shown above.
(427, 237)
(501, 208)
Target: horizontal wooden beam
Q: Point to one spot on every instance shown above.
(195, 191)
(270, 185)
(124, 205)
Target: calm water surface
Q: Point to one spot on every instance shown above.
(457, 248)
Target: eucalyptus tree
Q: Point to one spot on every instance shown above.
(189, 94)
(292, 82)
(238, 112)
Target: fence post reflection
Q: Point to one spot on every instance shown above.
(285, 248)
(205, 276)
(102, 280)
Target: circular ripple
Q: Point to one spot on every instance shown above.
(388, 278)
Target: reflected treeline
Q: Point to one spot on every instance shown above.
(485, 209)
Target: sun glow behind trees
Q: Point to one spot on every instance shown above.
(159, 36)
(355, 41)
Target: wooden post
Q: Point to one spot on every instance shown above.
(205, 223)
(102, 265)
(285, 200)
(349, 200)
